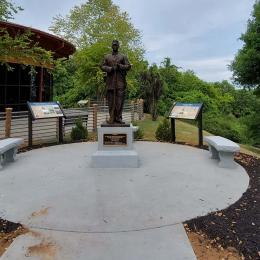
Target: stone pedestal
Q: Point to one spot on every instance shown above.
(115, 147)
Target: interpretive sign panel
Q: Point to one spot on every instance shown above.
(185, 110)
(41, 110)
(115, 140)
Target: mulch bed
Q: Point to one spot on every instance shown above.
(8, 232)
(238, 225)
(8, 227)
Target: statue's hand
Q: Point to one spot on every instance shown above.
(114, 68)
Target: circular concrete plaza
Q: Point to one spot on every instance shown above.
(55, 188)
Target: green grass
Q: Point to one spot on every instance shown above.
(245, 148)
(185, 133)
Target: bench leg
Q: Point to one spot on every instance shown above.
(10, 155)
(213, 152)
(1, 161)
(226, 160)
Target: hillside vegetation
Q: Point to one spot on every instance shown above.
(185, 133)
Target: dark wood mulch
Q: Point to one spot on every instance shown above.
(238, 225)
(8, 227)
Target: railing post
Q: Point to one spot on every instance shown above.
(132, 111)
(60, 129)
(141, 109)
(95, 117)
(8, 122)
(30, 130)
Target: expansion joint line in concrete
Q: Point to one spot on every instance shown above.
(103, 232)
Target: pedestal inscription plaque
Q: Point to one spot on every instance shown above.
(115, 139)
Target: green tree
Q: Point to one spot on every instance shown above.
(151, 89)
(244, 103)
(92, 26)
(97, 21)
(20, 47)
(254, 126)
(63, 76)
(169, 73)
(8, 9)
(246, 65)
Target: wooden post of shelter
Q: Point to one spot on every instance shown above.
(95, 117)
(8, 122)
(41, 85)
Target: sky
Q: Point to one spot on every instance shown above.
(201, 35)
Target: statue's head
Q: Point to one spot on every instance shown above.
(115, 45)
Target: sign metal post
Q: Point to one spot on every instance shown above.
(30, 130)
(190, 111)
(173, 130)
(44, 110)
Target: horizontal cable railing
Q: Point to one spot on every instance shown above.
(46, 131)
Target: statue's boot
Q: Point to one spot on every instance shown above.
(119, 121)
(110, 121)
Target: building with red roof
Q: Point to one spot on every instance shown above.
(19, 86)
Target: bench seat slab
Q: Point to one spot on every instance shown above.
(222, 149)
(222, 144)
(8, 150)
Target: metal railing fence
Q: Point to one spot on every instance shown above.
(16, 124)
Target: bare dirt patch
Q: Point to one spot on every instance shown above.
(206, 249)
(8, 232)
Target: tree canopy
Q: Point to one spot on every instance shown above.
(97, 21)
(246, 65)
(8, 9)
(20, 47)
(91, 27)
(151, 89)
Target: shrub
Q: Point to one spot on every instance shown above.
(253, 127)
(139, 134)
(79, 132)
(163, 131)
(225, 126)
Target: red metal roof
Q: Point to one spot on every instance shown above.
(60, 47)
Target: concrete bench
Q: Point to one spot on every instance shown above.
(8, 150)
(222, 149)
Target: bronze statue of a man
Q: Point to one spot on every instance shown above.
(116, 66)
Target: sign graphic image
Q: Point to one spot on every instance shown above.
(185, 110)
(41, 110)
